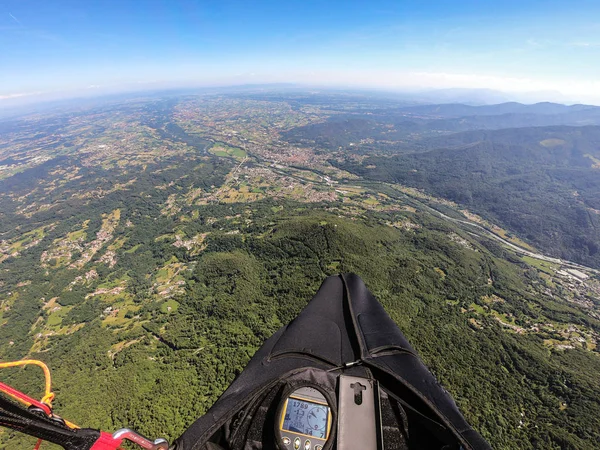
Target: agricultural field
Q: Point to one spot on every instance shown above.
(225, 151)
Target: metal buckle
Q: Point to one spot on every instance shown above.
(144, 442)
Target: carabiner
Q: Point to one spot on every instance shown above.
(144, 442)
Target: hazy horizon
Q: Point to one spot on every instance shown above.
(68, 48)
(479, 96)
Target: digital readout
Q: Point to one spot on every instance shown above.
(306, 417)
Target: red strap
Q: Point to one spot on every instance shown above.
(25, 398)
(106, 442)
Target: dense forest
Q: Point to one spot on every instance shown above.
(541, 183)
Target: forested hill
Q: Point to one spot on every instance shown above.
(407, 126)
(582, 140)
(541, 183)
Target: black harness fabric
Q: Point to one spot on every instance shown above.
(342, 324)
(386, 351)
(22, 420)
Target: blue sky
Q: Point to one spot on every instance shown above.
(64, 46)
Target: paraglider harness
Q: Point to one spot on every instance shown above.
(340, 376)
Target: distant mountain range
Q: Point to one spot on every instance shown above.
(406, 126)
(460, 110)
(488, 96)
(25, 103)
(504, 115)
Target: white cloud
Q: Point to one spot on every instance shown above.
(15, 19)
(582, 89)
(19, 94)
(585, 44)
(577, 90)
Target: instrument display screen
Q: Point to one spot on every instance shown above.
(306, 417)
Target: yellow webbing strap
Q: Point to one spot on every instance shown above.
(48, 394)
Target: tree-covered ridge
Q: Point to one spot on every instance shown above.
(384, 128)
(147, 285)
(541, 183)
